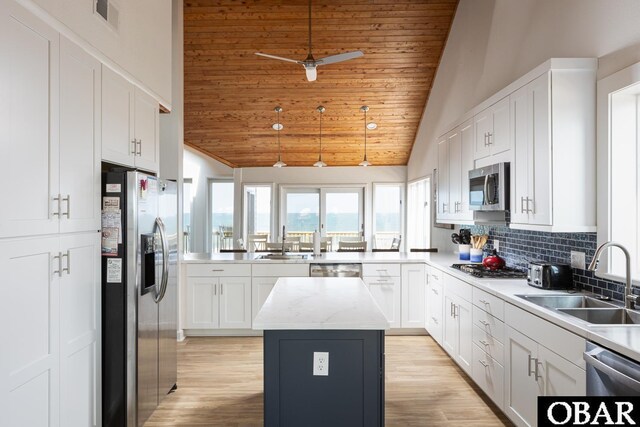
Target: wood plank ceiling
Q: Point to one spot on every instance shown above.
(230, 93)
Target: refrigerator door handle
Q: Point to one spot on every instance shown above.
(165, 261)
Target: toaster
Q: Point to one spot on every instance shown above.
(544, 275)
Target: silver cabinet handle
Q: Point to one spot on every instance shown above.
(483, 363)
(531, 359)
(484, 322)
(435, 291)
(215, 289)
(382, 280)
(221, 288)
(139, 143)
(489, 140)
(535, 371)
(68, 201)
(529, 210)
(522, 205)
(484, 301)
(484, 343)
(382, 269)
(485, 139)
(214, 270)
(57, 212)
(434, 320)
(135, 145)
(68, 256)
(59, 270)
(451, 310)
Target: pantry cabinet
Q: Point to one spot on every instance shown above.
(553, 133)
(492, 130)
(130, 124)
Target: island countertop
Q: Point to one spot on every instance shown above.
(332, 303)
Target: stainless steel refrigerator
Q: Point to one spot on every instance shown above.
(139, 295)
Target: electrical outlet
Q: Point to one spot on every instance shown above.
(578, 260)
(496, 244)
(320, 363)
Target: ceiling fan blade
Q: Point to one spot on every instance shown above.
(339, 58)
(312, 73)
(278, 57)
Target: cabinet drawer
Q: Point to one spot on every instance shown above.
(488, 323)
(280, 270)
(488, 343)
(388, 270)
(218, 270)
(489, 375)
(382, 280)
(458, 287)
(489, 303)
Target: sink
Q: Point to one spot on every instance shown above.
(567, 301)
(604, 316)
(281, 257)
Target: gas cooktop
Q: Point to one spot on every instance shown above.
(478, 270)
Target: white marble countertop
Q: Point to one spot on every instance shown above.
(320, 303)
(328, 257)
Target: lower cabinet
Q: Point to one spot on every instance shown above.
(414, 282)
(434, 303)
(218, 303)
(260, 289)
(457, 332)
(533, 370)
(387, 293)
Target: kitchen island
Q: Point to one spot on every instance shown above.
(323, 353)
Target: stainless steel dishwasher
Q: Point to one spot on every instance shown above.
(610, 374)
(335, 270)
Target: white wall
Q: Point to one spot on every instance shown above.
(493, 42)
(318, 176)
(200, 169)
(142, 45)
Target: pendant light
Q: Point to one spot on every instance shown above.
(320, 163)
(365, 162)
(278, 126)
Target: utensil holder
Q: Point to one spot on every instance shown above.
(475, 255)
(464, 253)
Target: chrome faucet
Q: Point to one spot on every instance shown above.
(630, 299)
(284, 238)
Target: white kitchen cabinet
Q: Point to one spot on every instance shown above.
(489, 375)
(553, 131)
(435, 303)
(130, 119)
(413, 285)
(443, 208)
(457, 337)
(218, 302)
(264, 278)
(261, 287)
(52, 372)
(492, 130)
(386, 291)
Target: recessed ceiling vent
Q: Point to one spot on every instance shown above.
(109, 12)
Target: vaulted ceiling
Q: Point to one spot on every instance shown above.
(230, 93)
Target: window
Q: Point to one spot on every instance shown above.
(387, 214)
(617, 170)
(221, 208)
(418, 214)
(257, 211)
(187, 205)
(336, 212)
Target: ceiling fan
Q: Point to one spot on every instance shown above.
(310, 63)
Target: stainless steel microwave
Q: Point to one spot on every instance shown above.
(489, 188)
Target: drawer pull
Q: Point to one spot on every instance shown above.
(217, 270)
(434, 320)
(435, 291)
(484, 343)
(382, 269)
(485, 323)
(483, 363)
(485, 302)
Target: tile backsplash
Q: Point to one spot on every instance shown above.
(517, 247)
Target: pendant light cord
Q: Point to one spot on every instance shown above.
(320, 156)
(278, 129)
(365, 135)
(309, 27)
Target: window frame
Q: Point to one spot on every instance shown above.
(403, 196)
(426, 209)
(209, 228)
(272, 209)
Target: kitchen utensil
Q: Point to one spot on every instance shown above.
(455, 238)
(493, 261)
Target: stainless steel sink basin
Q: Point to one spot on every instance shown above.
(604, 316)
(567, 301)
(281, 257)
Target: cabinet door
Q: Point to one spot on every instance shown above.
(117, 112)
(202, 303)
(499, 138)
(466, 162)
(235, 302)
(520, 173)
(522, 389)
(146, 113)
(386, 293)
(443, 179)
(413, 282)
(455, 172)
(260, 289)
(79, 330)
(79, 139)
(464, 354)
(559, 377)
(28, 123)
(29, 313)
(450, 325)
(435, 318)
(483, 126)
(540, 163)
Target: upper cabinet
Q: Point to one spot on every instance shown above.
(49, 121)
(492, 130)
(553, 166)
(130, 123)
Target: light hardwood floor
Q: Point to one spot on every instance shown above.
(220, 384)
